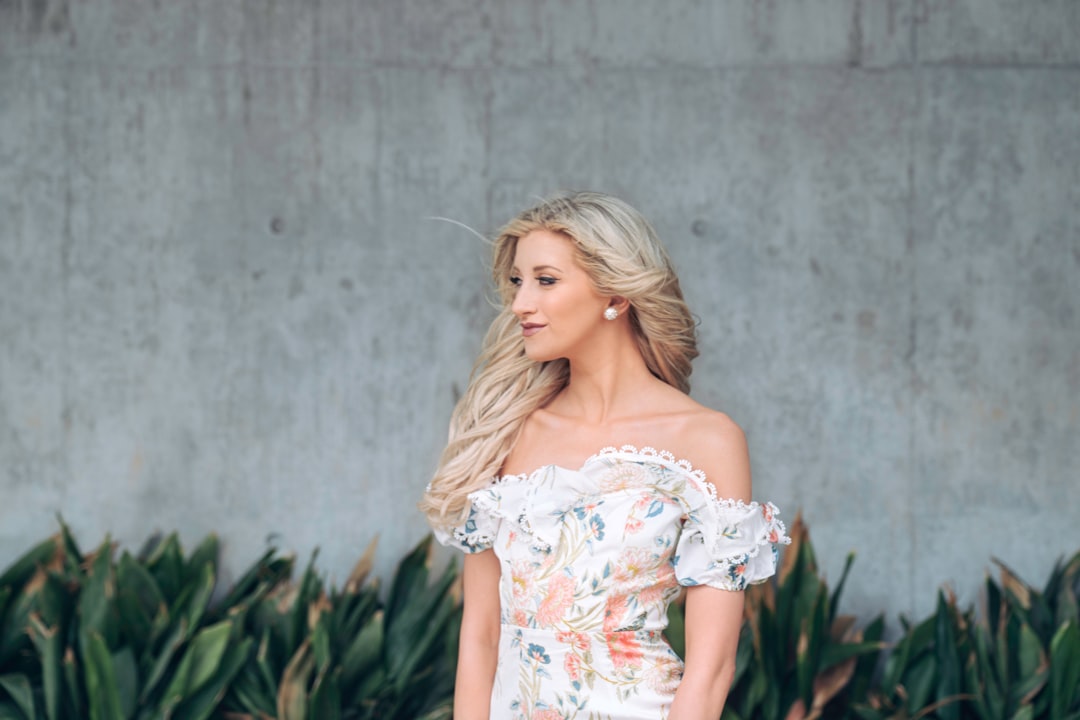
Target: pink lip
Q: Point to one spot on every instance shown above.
(530, 329)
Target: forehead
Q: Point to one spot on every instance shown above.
(544, 247)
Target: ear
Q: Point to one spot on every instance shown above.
(619, 303)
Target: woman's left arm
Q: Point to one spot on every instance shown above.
(713, 615)
(713, 621)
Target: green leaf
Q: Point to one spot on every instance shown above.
(415, 633)
(50, 647)
(97, 610)
(10, 711)
(100, 676)
(867, 664)
(195, 597)
(834, 600)
(320, 644)
(676, 629)
(1067, 610)
(127, 680)
(1030, 653)
(19, 572)
(266, 574)
(921, 677)
(201, 704)
(161, 664)
(204, 556)
(1064, 670)
(325, 700)
(19, 690)
(292, 693)
(949, 681)
(836, 653)
(166, 564)
(139, 603)
(199, 663)
(1026, 712)
(362, 656)
(73, 557)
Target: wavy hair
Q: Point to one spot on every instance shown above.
(622, 255)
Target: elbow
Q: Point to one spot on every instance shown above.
(709, 684)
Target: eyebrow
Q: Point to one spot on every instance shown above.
(538, 268)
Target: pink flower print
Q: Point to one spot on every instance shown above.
(560, 596)
(577, 641)
(663, 581)
(623, 476)
(521, 619)
(774, 536)
(572, 665)
(624, 649)
(522, 584)
(546, 714)
(633, 525)
(615, 610)
(632, 564)
(766, 512)
(664, 676)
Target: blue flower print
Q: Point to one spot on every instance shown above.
(537, 653)
(596, 526)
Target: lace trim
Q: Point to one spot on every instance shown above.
(649, 453)
(686, 466)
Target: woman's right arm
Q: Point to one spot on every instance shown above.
(479, 643)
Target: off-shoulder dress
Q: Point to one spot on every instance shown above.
(590, 559)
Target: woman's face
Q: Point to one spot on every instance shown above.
(555, 300)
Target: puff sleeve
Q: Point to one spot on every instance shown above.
(476, 533)
(729, 544)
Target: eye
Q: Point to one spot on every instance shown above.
(515, 281)
(546, 280)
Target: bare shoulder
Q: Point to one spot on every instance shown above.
(717, 446)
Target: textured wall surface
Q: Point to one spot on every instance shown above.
(225, 304)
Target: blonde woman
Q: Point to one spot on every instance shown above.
(586, 486)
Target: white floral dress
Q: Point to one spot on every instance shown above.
(590, 560)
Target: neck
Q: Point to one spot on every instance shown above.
(607, 382)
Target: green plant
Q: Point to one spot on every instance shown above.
(1021, 661)
(1025, 661)
(139, 637)
(342, 654)
(924, 672)
(114, 639)
(799, 657)
(796, 658)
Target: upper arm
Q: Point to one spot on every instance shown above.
(480, 585)
(713, 623)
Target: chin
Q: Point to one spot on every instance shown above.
(540, 355)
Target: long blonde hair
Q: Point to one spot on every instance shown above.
(619, 250)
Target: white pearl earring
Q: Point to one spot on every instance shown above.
(611, 313)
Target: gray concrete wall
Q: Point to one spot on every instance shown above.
(225, 305)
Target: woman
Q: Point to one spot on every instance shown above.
(578, 532)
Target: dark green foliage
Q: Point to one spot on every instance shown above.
(797, 658)
(343, 654)
(89, 636)
(142, 637)
(1020, 661)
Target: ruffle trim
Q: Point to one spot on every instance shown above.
(718, 521)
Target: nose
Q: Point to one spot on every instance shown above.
(523, 305)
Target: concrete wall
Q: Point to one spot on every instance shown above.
(225, 305)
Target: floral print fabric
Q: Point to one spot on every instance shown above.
(590, 560)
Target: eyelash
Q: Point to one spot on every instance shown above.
(544, 280)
